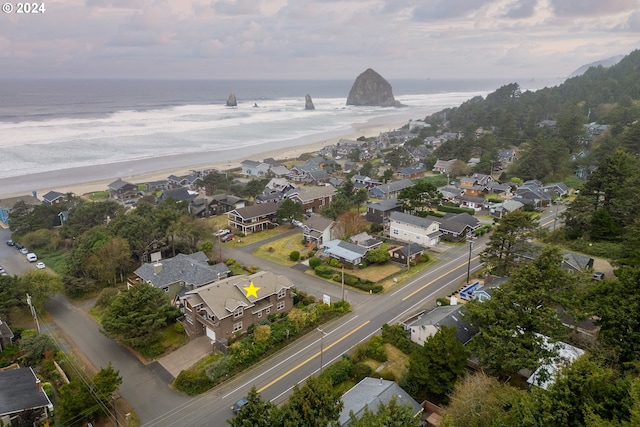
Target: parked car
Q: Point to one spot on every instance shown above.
(238, 405)
(40, 265)
(10, 242)
(18, 246)
(31, 257)
(24, 251)
(221, 233)
(1, 270)
(228, 237)
(598, 275)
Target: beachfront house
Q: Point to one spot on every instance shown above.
(224, 309)
(53, 198)
(122, 190)
(250, 219)
(414, 229)
(7, 205)
(253, 168)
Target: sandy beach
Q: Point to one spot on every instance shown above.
(83, 180)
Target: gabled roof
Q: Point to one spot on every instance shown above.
(412, 249)
(317, 223)
(257, 210)
(345, 250)
(447, 315)
(193, 270)
(119, 184)
(546, 374)
(19, 391)
(392, 187)
(180, 194)
(384, 205)
(279, 170)
(365, 240)
(412, 219)
(577, 261)
(370, 392)
(250, 163)
(222, 298)
(52, 196)
(410, 170)
(5, 331)
(311, 193)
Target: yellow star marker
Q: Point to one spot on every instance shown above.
(252, 290)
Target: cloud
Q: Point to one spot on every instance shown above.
(582, 8)
(521, 9)
(439, 9)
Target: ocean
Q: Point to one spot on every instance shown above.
(52, 125)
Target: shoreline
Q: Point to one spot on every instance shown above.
(86, 179)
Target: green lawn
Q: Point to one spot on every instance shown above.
(98, 195)
(278, 251)
(258, 237)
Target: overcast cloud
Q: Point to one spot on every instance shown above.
(309, 39)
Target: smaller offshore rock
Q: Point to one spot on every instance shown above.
(232, 101)
(308, 103)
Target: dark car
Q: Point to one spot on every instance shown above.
(228, 237)
(10, 242)
(238, 405)
(18, 246)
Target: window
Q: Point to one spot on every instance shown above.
(260, 314)
(395, 232)
(189, 319)
(282, 293)
(238, 313)
(267, 310)
(395, 254)
(237, 327)
(280, 305)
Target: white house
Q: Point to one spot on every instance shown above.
(414, 229)
(252, 168)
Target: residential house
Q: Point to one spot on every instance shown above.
(451, 194)
(428, 324)
(250, 219)
(405, 254)
(7, 204)
(506, 156)
(301, 171)
(547, 124)
(180, 194)
(476, 184)
(186, 181)
(500, 190)
(365, 240)
(317, 230)
(531, 193)
(574, 262)
(122, 190)
(345, 252)
(411, 172)
(21, 391)
(473, 162)
(253, 168)
(279, 171)
(223, 203)
(312, 198)
(545, 375)
(499, 210)
(557, 189)
(180, 273)
(456, 226)
(53, 198)
(391, 189)
(225, 308)
(156, 185)
(473, 202)
(414, 229)
(370, 393)
(443, 166)
(362, 181)
(379, 212)
(6, 335)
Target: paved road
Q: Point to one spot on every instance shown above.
(142, 386)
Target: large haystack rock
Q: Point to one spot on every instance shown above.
(371, 89)
(232, 101)
(308, 103)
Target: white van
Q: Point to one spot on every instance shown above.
(32, 257)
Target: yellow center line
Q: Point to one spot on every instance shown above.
(260, 390)
(438, 278)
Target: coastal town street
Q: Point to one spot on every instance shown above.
(147, 390)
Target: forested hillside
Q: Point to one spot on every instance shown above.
(546, 127)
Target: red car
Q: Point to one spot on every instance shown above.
(228, 237)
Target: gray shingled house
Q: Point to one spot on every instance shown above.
(21, 391)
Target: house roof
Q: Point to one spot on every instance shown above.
(393, 186)
(119, 184)
(222, 298)
(318, 223)
(191, 269)
(546, 374)
(456, 223)
(412, 249)
(370, 392)
(447, 315)
(19, 391)
(5, 331)
(576, 260)
(279, 170)
(365, 240)
(52, 196)
(345, 250)
(250, 163)
(10, 202)
(411, 219)
(410, 170)
(384, 205)
(311, 193)
(257, 210)
(180, 194)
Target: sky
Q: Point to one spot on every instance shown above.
(314, 39)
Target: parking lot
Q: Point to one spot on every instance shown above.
(13, 262)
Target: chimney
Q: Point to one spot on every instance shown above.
(157, 268)
(38, 385)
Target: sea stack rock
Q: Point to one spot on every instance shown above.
(371, 89)
(308, 103)
(232, 101)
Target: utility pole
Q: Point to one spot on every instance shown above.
(33, 312)
(321, 348)
(343, 283)
(469, 263)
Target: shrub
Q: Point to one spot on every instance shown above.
(335, 263)
(323, 271)
(178, 327)
(230, 261)
(106, 297)
(443, 301)
(397, 336)
(192, 383)
(456, 209)
(360, 371)
(340, 371)
(294, 256)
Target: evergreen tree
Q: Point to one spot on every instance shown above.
(391, 414)
(314, 404)
(256, 413)
(509, 241)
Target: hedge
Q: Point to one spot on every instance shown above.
(455, 209)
